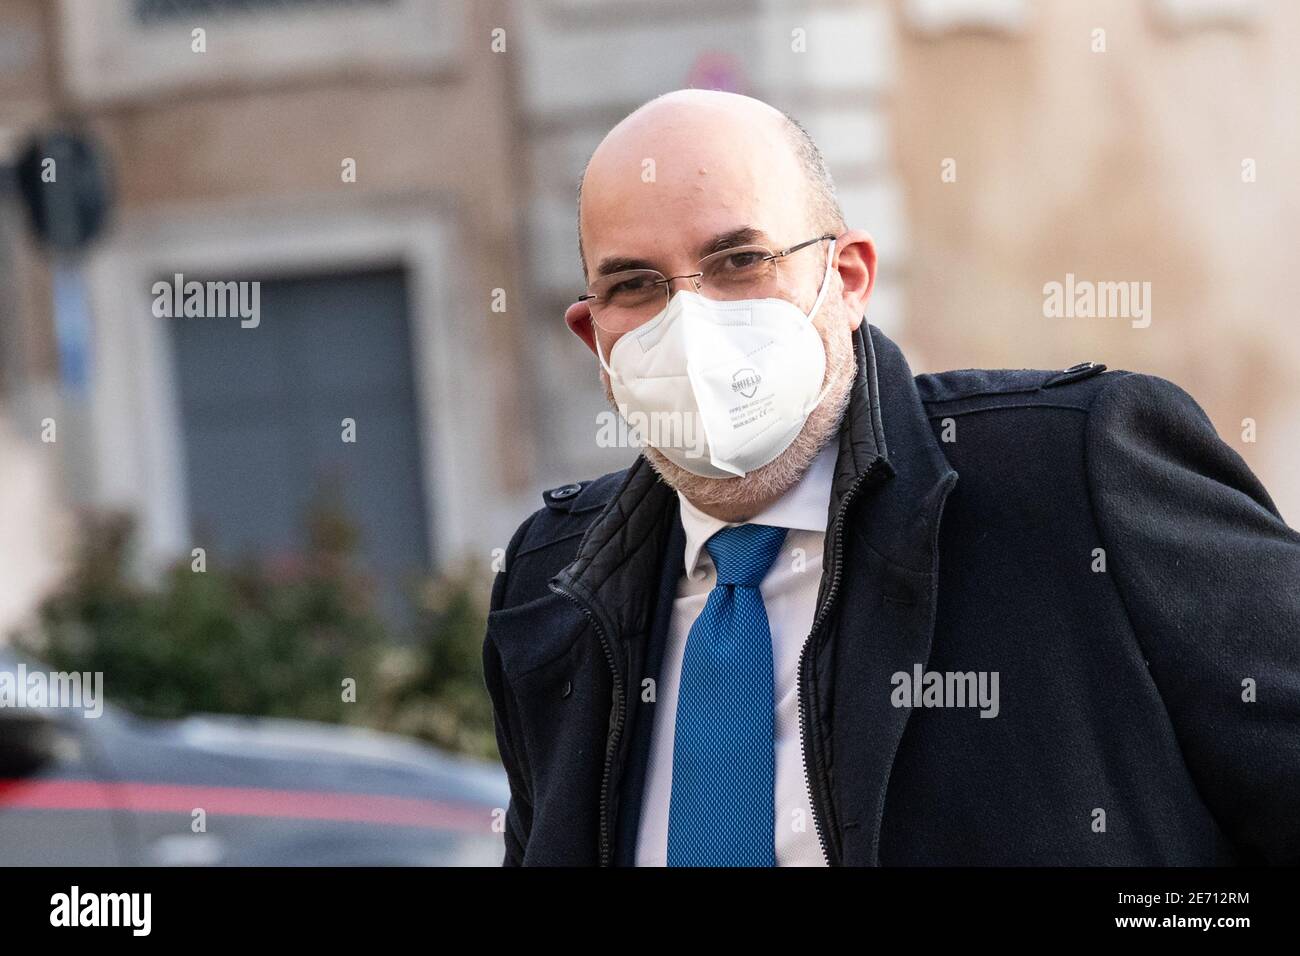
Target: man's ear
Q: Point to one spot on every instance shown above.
(578, 318)
(856, 262)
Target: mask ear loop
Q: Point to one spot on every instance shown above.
(595, 338)
(826, 281)
(821, 295)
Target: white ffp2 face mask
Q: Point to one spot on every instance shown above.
(721, 388)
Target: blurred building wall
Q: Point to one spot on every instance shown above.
(33, 515)
(1123, 165)
(229, 164)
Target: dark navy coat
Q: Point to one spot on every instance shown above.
(1084, 534)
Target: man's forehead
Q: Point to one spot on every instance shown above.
(641, 179)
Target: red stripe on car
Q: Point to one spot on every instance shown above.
(135, 797)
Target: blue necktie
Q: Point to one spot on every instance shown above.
(722, 810)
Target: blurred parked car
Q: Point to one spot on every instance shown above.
(118, 789)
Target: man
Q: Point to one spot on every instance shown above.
(835, 614)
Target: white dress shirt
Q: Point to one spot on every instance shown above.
(790, 595)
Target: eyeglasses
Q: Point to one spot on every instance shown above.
(623, 301)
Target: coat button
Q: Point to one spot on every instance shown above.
(568, 689)
(566, 491)
(1074, 373)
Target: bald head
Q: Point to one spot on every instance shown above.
(692, 148)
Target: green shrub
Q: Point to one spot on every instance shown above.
(270, 640)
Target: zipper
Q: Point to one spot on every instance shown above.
(612, 739)
(819, 795)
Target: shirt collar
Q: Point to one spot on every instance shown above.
(802, 507)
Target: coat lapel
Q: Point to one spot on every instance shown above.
(885, 623)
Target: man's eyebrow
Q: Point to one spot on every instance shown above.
(744, 236)
(611, 264)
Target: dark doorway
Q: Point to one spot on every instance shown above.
(262, 411)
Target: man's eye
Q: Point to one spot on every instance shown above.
(630, 287)
(740, 261)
